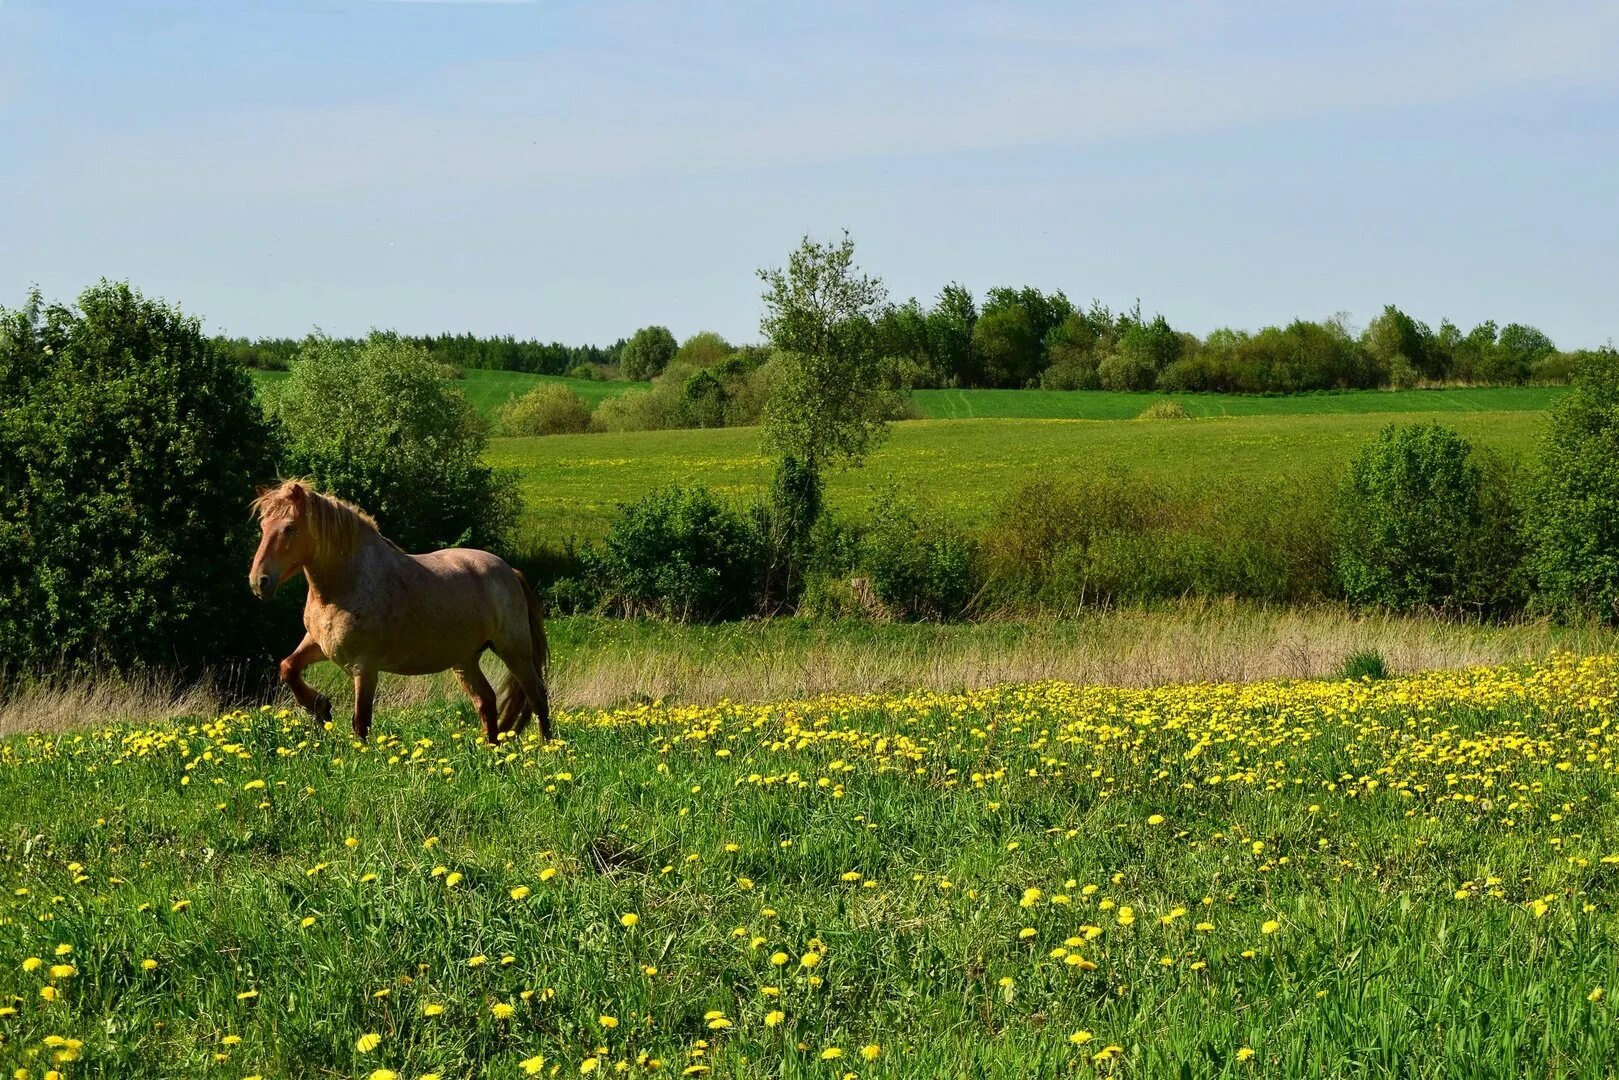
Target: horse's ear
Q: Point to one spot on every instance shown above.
(297, 494)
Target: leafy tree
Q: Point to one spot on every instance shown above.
(647, 353)
(1518, 350)
(1574, 517)
(374, 423)
(902, 337)
(1010, 335)
(1143, 350)
(833, 394)
(1397, 346)
(132, 444)
(680, 554)
(702, 349)
(1425, 520)
(950, 335)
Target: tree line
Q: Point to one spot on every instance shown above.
(1022, 337)
(454, 350)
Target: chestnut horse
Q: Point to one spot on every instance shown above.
(372, 608)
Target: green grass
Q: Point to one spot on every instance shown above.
(1412, 877)
(489, 390)
(1117, 405)
(966, 468)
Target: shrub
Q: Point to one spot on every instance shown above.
(679, 553)
(548, 409)
(1164, 410)
(1574, 521)
(920, 568)
(374, 423)
(132, 444)
(1424, 520)
(786, 525)
(647, 352)
(1366, 664)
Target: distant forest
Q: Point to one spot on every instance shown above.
(1017, 338)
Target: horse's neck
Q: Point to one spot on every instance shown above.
(331, 578)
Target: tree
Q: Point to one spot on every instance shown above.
(1574, 517)
(375, 424)
(1425, 520)
(1397, 346)
(1010, 335)
(132, 444)
(702, 349)
(647, 353)
(950, 335)
(833, 394)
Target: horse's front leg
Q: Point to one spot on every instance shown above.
(365, 694)
(292, 673)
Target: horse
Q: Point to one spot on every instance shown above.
(373, 608)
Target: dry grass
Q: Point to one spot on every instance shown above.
(600, 663)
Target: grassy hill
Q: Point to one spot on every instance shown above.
(571, 483)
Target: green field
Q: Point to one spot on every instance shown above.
(966, 468)
(489, 390)
(1416, 877)
(1116, 405)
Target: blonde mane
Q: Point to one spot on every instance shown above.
(336, 526)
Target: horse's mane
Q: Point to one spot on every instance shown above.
(336, 526)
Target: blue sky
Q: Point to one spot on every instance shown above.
(574, 170)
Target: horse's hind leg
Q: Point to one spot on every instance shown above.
(482, 694)
(365, 696)
(528, 694)
(292, 673)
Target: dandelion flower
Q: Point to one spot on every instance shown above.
(1245, 1053)
(432, 1008)
(629, 918)
(831, 1053)
(774, 1017)
(608, 1022)
(501, 1010)
(532, 1066)
(1080, 1038)
(521, 893)
(1270, 926)
(367, 1042)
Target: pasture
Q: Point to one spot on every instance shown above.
(1410, 877)
(1125, 405)
(489, 390)
(965, 468)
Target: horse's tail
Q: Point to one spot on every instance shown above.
(515, 703)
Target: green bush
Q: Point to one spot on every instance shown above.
(1574, 520)
(679, 553)
(1165, 409)
(920, 568)
(1424, 520)
(548, 409)
(132, 444)
(1366, 664)
(374, 423)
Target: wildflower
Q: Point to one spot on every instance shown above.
(33, 963)
(629, 918)
(532, 1066)
(501, 1010)
(608, 1022)
(810, 959)
(432, 1008)
(1245, 1053)
(1595, 994)
(871, 1051)
(367, 1042)
(1080, 1038)
(478, 961)
(521, 892)
(1270, 926)
(831, 1053)
(588, 1066)
(1155, 819)
(774, 1017)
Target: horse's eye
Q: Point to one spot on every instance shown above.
(292, 530)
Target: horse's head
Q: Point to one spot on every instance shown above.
(285, 543)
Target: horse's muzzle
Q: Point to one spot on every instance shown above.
(263, 586)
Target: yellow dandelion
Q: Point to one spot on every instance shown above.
(367, 1042)
(629, 918)
(521, 892)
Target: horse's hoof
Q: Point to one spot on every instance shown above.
(322, 709)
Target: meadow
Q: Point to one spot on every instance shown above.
(1407, 877)
(489, 390)
(1126, 405)
(964, 468)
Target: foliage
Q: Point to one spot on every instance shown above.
(679, 553)
(132, 445)
(832, 396)
(647, 353)
(1425, 520)
(456, 350)
(786, 524)
(1574, 518)
(548, 409)
(376, 425)
(703, 348)
(920, 567)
